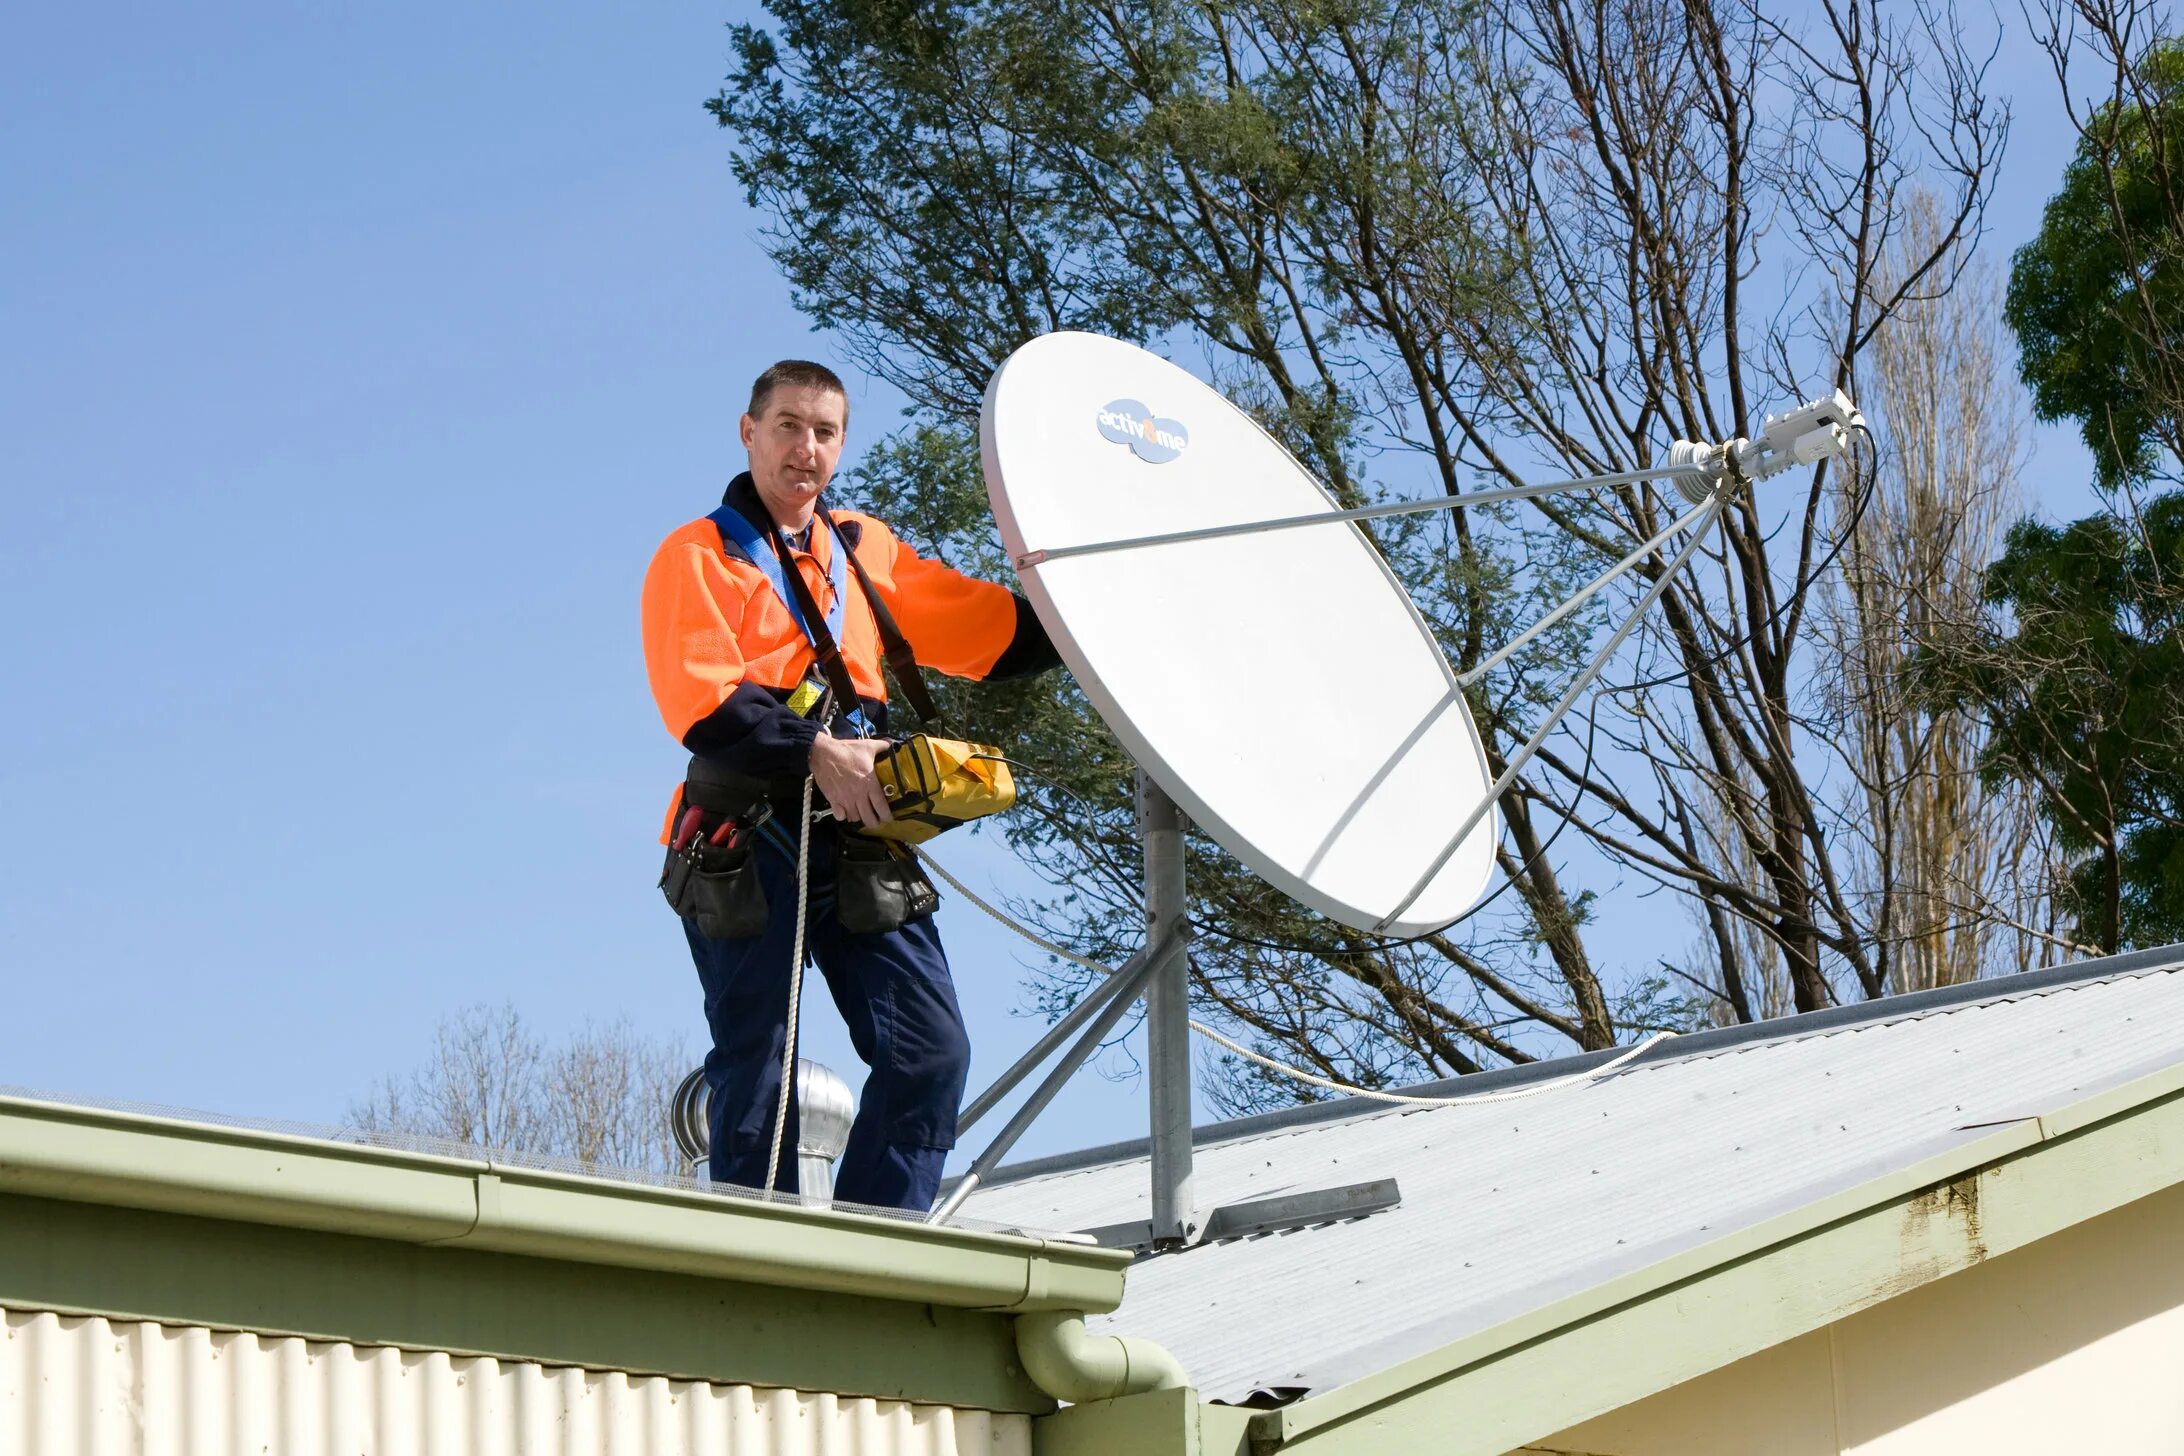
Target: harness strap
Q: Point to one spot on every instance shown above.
(734, 526)
(902, 660)
(823, 644)
(821, 629)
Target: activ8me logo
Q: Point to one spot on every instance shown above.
(1150, 438)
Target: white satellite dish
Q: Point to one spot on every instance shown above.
(1254, 653)
(1280, 686)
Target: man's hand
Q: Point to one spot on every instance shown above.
(842, 770)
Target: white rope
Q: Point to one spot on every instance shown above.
(1590, 1074)
(796, 987)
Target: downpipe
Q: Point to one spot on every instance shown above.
(1072, 1364)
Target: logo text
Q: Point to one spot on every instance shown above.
(1150, 438)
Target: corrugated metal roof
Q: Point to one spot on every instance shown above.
(1508, 1206)
(131, 1388)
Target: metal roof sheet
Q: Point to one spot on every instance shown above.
(1508, 1206)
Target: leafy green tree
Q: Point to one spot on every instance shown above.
(2082, 685)
(2077, 665)
(2097, 298)
(2097, 295)
(1430, 245)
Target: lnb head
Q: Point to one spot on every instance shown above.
(1806, 435)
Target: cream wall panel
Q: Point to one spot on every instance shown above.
(1779, 1401)
(2073, 1343)
(90, 1387)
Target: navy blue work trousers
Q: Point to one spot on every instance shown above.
(894, 991)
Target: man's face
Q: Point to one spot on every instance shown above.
(794, 445)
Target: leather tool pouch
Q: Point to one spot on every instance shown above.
(716, 886)
(717, 889)
(879, 886)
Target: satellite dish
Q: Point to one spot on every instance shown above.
(1278, 685)
(1257, 657)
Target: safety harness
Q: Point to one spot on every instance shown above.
(824, 631)
(932, 784)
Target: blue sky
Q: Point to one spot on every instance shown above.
(355, 358)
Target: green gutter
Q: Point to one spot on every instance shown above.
(128, 1160)
(1655, 1327)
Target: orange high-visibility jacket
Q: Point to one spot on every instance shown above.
(724, 652)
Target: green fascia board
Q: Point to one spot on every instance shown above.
(1158, 1423)
(125, 1263)
(1490, 1392)
(130, 1160)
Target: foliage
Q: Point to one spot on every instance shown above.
(2076, 664)
(2096, 299)
(1430, 246)
(2082, 684)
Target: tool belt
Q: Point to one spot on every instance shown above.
(711, 875)
(716, 886)
(878, 886)
(725, 794)
(934, 784)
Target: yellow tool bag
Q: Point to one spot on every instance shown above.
(934, 784)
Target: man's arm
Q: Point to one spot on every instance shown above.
(1030, 650)
(691, 607)
(958, 624)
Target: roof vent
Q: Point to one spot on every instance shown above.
(824, 1111)
(824, 1108)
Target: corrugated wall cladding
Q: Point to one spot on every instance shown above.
(91, 1387)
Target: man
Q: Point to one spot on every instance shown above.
(732, 664)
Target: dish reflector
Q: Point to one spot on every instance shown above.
(1279, 685)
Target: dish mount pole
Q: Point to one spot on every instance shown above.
(1167, 1015)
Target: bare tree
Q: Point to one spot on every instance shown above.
(1936, 859)
(1733, 965)
(601, 1098)
(1650, 172)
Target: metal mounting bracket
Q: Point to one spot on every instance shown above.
(1270, 1215)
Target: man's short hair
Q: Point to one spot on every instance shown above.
(799, 372)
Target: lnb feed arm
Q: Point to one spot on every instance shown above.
(1806, 435)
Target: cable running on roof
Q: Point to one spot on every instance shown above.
(1590, 1074)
